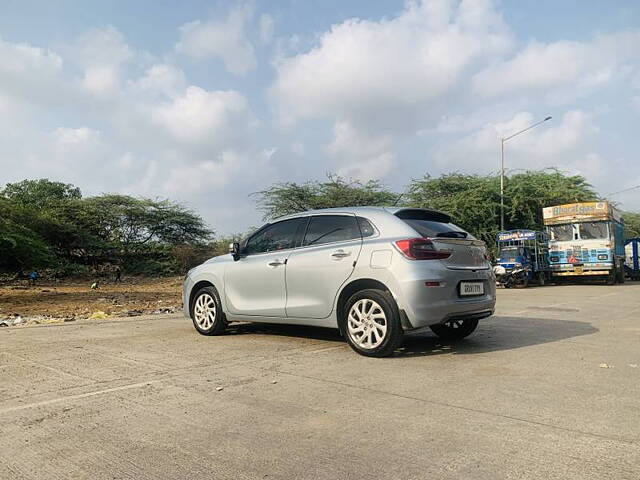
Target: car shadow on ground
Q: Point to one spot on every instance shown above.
(494, 334)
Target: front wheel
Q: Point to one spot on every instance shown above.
(372, 323)
(206, 312)
(455, 329)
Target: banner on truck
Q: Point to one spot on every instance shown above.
(577, 211)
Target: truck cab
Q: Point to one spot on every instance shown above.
(586, 240)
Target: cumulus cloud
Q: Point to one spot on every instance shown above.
(225, 40)
(548, 65)
(557, 143)
(363, 69)
(201, 117)
(28, 73)
(102, 53)
(379, 80)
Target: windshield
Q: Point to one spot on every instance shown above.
(510, 253)
(594, 231)
(561, 233)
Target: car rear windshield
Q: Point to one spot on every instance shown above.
(432, 224)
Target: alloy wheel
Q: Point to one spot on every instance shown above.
(367, 324)
(205, 311)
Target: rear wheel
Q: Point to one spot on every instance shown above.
(455, 329)
(206, 312)
(372, 323)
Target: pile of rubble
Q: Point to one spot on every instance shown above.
(16, 319)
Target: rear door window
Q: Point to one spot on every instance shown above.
(330, 229)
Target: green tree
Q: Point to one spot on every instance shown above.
(44, 223)
(474, 200)
(39, 193)
(290, 197)
(20, 247)
(631, 224)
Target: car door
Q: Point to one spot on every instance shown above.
(317, 269)
(255, 283)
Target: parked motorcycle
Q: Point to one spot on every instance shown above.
(515, 277)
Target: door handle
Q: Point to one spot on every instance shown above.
(338, 254)
(276, 263)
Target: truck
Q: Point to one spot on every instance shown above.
(632, 258)
(585, 240)
(523, 257)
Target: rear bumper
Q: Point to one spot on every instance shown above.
(425, 306)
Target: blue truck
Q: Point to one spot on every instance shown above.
(522, 258)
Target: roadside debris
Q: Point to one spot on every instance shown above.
(219, 389)
(605, 365)
(98, 315)
(11, 322)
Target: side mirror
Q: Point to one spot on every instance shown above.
(234, 250)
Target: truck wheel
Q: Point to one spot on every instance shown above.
(620, 275)
(455, 329)
(611, 278)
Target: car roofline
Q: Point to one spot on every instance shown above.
(362, 210)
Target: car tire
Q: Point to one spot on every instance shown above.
(454, 330)
(371, 323)
(206, 312)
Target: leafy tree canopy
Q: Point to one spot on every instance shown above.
(39, 193)
(290, 197)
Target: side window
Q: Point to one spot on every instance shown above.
(331, 228)
(279, 236)
(366, 228)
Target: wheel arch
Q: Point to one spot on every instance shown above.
(351, 288)
(196, 287)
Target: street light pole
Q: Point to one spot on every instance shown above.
(502, 140)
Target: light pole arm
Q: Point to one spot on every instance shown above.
(525, 129)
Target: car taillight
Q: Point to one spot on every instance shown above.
(421, 249)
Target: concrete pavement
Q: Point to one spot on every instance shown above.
(525, 397)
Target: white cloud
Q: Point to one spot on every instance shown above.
(102, 53)
(161, 79)
(225, 40)
(201, 117)
(564, 63)
(379, 80)
(362, 69)
(75, 136)
(359, 154)
(556, 143)
(29, 74)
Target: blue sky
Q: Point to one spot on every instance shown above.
(207, 102)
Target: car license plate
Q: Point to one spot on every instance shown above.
(471, 288)
(579, 269)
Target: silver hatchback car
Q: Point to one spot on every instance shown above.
(372, 272)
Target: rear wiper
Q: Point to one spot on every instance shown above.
(452, 234)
